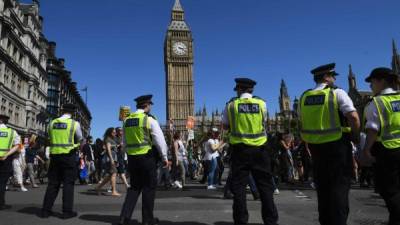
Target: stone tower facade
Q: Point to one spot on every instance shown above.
(284, 99)
(178, 57)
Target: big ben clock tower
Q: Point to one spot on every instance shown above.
(178, 58)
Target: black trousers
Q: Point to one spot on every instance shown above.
(332, 176)
(6, 172)
(62, 170)
(143, 171)
(246, 159)
(388, 180)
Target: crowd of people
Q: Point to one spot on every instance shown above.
(203, 161)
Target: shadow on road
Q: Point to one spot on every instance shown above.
(36, 211)
(114, 220)
(231, 223)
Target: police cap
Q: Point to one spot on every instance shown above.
(325, 69)
(144, 99)
(69, 107)
(244, 83)
(4, 117)
(380, 72)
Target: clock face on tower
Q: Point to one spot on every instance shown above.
(179, 48)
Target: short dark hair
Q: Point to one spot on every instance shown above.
(142, 105)
(319, 78)
(249, 90)
(392, 81)
(177, 135)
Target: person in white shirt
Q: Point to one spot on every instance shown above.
(180, 157)
(6, 159)
(212, 146)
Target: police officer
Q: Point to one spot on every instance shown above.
(245, 117)
(383, 138)
(141, 132)
(326, 112)
(9, 144)
(65, 137)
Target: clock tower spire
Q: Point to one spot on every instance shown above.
(178, 60)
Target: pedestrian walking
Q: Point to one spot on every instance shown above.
(383, 137)
(121, 168)
(31, 153)
(65, 137)
(19, 166)
(89, 156)
(180, 157)
(111, 162)
(245, 117)
(9, 145)
(141, 133)
(326, 112)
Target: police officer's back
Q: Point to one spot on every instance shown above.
(329, 122)
(141, 132)
(9, 144)
(65, 136)
(383, 138)
(244, 117)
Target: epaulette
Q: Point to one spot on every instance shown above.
(256, 97)
(231, 100)
(332, 86)
(152, 116)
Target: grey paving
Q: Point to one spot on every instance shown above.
(195, 206)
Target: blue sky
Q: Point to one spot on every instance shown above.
(116, 47)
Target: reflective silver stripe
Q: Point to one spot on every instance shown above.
(233, 119)
(331, 106)
(385, 116)
(11, 139)
(62, 145)
(138, 145)
(3, 150)
(249, 135)
(71, 132)
(146, 130)
(327, 131)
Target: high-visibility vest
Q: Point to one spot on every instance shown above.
(319, 116)
(6, 140)
(388, 107)
(62, 132)
(246, 121)
(137, 134)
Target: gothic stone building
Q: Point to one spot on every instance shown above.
(23, 78)
(205, 122)
(178, 57)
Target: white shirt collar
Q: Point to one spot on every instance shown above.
(321, 85)
(2, 125)
(246, 95)
(139, 111)
(66, 116)
(387, 91)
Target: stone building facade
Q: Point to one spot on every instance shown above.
(62, 89)
(178, 58)
(284, 120)
(23, 78)
(205, 122)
